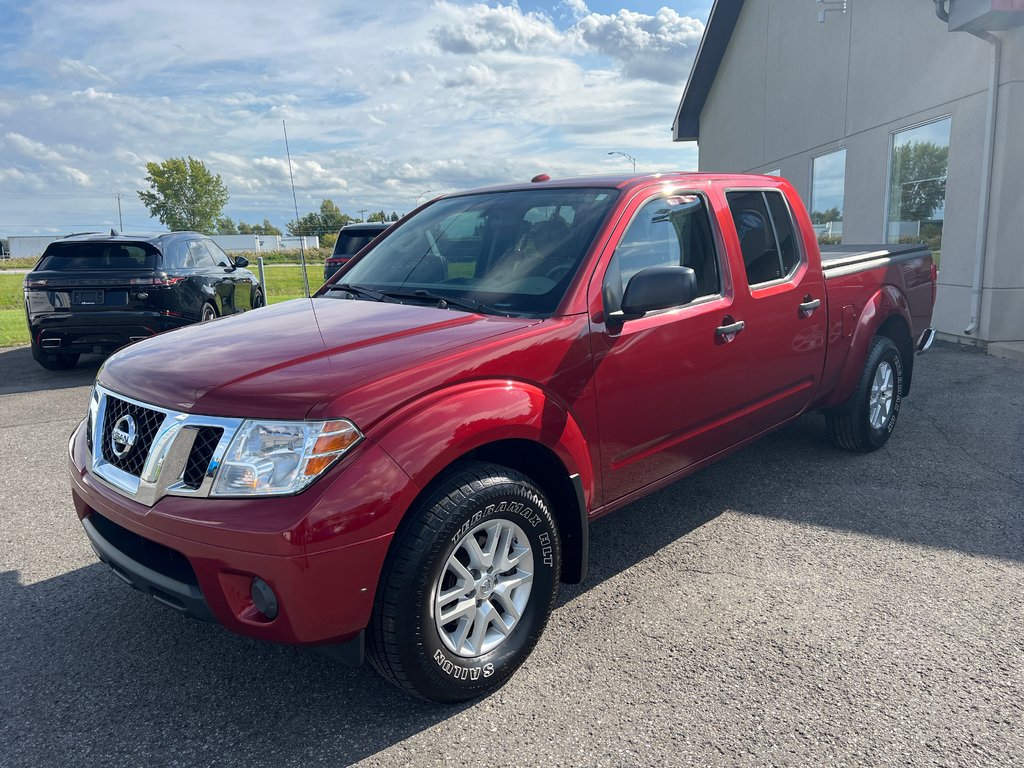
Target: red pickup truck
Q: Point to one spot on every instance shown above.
(406, 464)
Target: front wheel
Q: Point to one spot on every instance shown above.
(866, 420)
(467, 588)
(257, 299)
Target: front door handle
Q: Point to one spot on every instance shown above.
(809, 305)
(731, 329)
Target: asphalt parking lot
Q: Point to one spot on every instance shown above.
(791, 605)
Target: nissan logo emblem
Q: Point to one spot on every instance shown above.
(123, 436)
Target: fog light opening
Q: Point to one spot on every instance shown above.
(263, 598)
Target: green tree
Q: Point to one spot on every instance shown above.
(266, 228)
(225, 226)
(329, 219)
(394, 217)
(378, 216)
(824, 217)
(918, 180)
(184, 194)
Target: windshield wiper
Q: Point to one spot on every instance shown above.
(358, 290)
(443, 302)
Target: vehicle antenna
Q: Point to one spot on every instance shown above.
(302, 238)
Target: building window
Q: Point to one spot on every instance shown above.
(918, 159)
(828, 185)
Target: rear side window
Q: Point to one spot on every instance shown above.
(766, 233)
(198, 256)
(666, 232)
(72, 257)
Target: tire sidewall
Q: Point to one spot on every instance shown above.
(442, 672)
(884, 352)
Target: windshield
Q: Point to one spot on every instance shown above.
(90, 256)
(513, 252)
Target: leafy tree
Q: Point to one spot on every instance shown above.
(225, 226)
(266, 228)
(184, 194)
(329, 219)
(394, 217)
(918, 180)
(824, 217)
(378, 216)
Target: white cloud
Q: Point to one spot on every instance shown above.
(382, 103)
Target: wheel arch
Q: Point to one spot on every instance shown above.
(534, 435)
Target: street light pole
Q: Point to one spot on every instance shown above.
(628, 157)
(120, 221)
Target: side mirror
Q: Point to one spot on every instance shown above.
(240, 262)
(657, 288)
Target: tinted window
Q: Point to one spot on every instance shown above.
(198, 257)
(86, 256)
(515, 251)
(669, 231)
(763, 257)
(351, 243)
(221, 258)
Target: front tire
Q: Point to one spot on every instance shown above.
(468, 586)
(866, 420)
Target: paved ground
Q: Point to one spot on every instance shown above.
(792, 605)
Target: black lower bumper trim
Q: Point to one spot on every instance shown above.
(180, 595)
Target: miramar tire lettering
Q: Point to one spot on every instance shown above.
(459, 672)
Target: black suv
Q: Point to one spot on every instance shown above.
(351, 240)
(96, 293)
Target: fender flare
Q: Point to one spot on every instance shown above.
(887, 302)
(432, 432)
(435, 431)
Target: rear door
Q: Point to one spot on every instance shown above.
(785, 319)
(669, 383)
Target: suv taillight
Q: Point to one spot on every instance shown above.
(160, 279)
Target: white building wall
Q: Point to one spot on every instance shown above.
(789, 89)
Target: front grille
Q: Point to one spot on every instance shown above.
(88, 432)
(202, 453)
(147, 422)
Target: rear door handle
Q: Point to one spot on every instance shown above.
(809, 305)
(730, 329)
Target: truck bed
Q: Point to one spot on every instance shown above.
(838, 260)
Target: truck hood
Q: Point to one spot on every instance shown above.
(281, 361)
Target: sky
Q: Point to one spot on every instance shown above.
(386, 104)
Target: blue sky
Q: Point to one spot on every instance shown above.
(385, 103)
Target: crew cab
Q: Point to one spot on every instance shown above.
(407, 463)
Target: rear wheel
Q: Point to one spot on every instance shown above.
(209, 313)
(467, 589)
(55, 361)
(864, 422)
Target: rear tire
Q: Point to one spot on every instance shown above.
(209, 312)
(482, 549)
(866, 420)
(55, 361)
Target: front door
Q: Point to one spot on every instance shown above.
(668, 383)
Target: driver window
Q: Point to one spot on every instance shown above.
(667, 231)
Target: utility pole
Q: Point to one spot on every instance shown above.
(120, 221)
(362, 214)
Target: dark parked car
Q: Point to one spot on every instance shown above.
(351, 240)
(97, 293)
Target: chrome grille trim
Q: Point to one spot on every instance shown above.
(164, 467)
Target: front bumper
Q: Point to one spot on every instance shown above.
(320, 551)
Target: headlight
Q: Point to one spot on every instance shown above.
(268, 458)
